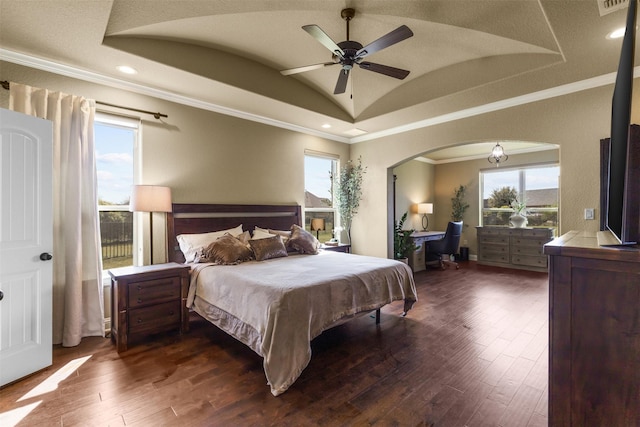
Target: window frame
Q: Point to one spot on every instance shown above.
(335, 168)
(116, 120)
(521, 191)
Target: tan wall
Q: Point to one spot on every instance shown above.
(450, 176)
(575, 122)
(205, 157)
(209, 157)
(414, 184)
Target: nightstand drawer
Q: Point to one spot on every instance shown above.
(146, 300)
(155, 318)
(154, 291)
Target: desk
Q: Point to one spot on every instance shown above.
(420, 239)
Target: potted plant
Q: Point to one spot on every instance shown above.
(458, 204)
(348, 192)
(519, 217)
(403, 245)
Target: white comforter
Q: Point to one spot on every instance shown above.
(278, 306)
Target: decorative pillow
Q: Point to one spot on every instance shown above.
(226, 250)
(303, 241)
(285, 234)
(192, 245)
(268, 247)
(244, 238)
(261, 233)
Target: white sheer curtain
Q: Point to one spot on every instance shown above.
(77, 263)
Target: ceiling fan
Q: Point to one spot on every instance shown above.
(350, 53)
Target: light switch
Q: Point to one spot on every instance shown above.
(589, 213)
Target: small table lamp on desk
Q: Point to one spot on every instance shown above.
(150, 198)
(317, 224)
(424, 209)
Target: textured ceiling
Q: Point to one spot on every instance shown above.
(227, 54)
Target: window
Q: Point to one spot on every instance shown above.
(115, 141)
(318, 199)
(536, 186)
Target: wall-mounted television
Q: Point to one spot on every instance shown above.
(622, 180)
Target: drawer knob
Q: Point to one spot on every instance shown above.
(139, 320)
(139, 287)
(171, 313)
(139, 300)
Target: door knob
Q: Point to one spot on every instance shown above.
(1, 295)
(44, 256)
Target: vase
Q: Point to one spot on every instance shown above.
(518, 221)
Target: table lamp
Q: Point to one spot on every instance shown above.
(317, 224)
(150, 198)
(424, 209)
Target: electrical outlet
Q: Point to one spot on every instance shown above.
(589, 213)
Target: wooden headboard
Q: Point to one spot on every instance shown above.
(189, 218)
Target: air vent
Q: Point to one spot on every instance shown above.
(608, 6)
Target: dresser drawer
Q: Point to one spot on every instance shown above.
(494, 257)
(494, 249)
(529, 260)
(527, 250)
(495, 239)
(156, 318)
(153, 291)
(528, 241)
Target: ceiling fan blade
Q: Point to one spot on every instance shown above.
(397, 73)
(306, 68)
(341, 85)
(401, 33)
(317, 33)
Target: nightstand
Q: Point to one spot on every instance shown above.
(342, 247)
(147, 300)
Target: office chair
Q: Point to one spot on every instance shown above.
(438, 251)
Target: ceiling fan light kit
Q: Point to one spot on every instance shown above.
(349, 52)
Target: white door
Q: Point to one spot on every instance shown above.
(26, 242)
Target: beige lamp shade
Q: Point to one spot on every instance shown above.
(150, 198)
(425, 208)
(317, 224)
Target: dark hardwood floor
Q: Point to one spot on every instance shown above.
(472, 352)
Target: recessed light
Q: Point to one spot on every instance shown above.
(126, 69)
(616, 34)
(326, 125)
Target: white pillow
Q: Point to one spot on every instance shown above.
(261, 233)
(192, 245)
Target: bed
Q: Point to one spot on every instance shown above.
(277, 306)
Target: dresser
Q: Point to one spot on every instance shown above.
(594, 332)
(513, 247)
(147, 300)
(420, 239)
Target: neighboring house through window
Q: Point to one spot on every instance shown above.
(319, 168)
(536, 186)
(115, 142)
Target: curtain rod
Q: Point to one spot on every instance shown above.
(5, 85)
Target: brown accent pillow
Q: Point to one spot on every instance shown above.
(267, 248)
(244, 238)
(303, 241)
(226, 250)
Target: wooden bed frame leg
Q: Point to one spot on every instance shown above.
(377, 316)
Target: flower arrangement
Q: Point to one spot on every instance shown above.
(519, 208)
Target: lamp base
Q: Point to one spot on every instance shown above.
(425, 222)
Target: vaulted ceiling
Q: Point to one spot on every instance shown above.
(226, 55)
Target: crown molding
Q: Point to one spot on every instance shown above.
(90, 76)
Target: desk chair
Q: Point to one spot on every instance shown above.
(438, 251)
